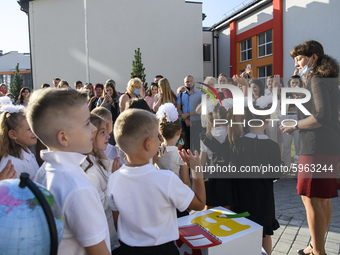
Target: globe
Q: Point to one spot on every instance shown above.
(24, 228)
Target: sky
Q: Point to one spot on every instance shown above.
(14, 22)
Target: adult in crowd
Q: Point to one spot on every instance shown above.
(287, 139)
(78, 85)
(319, 139)
(269, 83)
(55, 82)
(110, 100)
(45, 85)
(98, 93)
(11, 96)
(114, 83)
(166, 95)
(186, 104)
(257, 88)
(63, 84)
(157, 78)
(152, 95)
(133, 90)
(89, 88)
(24, 96)
(3, 88)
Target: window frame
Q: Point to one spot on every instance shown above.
(246, 50)
(266, 71)
(264, 44)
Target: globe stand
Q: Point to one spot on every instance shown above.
(26, 182)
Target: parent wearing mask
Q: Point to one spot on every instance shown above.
(319, 139)
(186, 104)
(133, 90)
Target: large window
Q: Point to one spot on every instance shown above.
(206, 52)
(265, 71)
(265, 44)
(246, 50)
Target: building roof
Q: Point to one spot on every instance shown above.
(250, 7)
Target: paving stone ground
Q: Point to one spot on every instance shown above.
(293, 233)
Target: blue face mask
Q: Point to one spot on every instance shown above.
(12, 100)
(136, 92)
(306, 70)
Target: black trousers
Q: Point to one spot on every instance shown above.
(163, 249)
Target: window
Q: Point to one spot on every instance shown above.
(265, 44)
(265, 71)
(246, 50)
(206, 52)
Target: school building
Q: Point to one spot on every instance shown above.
(8, 62)
(263, 32)
(95, 40)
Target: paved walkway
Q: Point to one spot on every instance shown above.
(293, 233)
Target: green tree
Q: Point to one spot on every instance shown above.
(138, 69)
(17, 83)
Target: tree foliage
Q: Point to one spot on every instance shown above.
(17, 83)
(138, 69)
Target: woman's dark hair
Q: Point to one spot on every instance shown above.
(260, 85)
(326, 65)
(20, 97)
(153, 84)
(111, 85)
(137, 103)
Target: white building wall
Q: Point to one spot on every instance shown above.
(169, 34)
(224, 51)
(8, 61)
(256, 18)
(310, 20)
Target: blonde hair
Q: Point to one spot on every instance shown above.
(132, 83)
(210, 81)
(132, 127)
(103, 113)
(168, 96)
(48, 111)
(10, 121)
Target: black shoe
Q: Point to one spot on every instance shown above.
(301, 252)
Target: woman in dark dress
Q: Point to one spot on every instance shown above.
(319, 140)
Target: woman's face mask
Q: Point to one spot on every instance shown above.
(300, 61)
(136, 92)
(306, 70)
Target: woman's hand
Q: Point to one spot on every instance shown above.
(240, 80)
(289, 128)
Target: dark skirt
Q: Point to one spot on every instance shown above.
(317, 176)
(221, 192)
(256, 196)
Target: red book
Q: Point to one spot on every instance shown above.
(197, 237)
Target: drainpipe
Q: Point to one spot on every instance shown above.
(86, 45)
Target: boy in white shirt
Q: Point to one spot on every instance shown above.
(60, 118)
(142, 198)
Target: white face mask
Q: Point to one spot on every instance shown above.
(306, 70)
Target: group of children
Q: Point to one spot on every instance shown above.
(103, 200)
